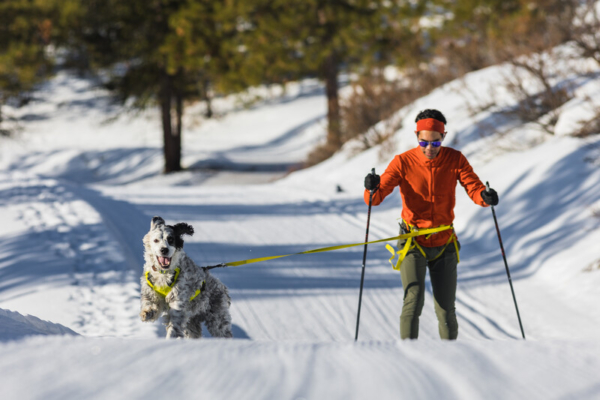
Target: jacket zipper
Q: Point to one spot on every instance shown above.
(431, 194)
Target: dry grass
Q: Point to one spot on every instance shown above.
(319, 154)
(525, 40)
(595, 266)
(585, 29)
(370, 114)
(591, 126)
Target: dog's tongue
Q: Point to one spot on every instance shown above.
(164, 261)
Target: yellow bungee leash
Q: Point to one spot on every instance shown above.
(414, 232)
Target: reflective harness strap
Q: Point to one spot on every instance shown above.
(409, 245)
(198, 291)
(165, 290)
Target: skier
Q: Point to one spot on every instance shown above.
(427, 177)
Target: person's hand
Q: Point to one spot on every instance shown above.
(490, 197)
(372, 182)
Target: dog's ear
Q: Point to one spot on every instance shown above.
(179, 230)
(183, 229)
(156, 221)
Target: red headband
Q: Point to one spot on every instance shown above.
(430, 124)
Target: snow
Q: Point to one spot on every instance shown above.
(77, 194)
(97, 368)
(14, 326)
(583, 107)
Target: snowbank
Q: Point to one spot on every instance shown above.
(14, 326)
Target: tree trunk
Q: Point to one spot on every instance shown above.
(2, 131)
(334, 131)
(178, 124)
(205, 87)
(171, 137)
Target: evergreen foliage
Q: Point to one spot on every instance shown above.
(167, 53)
(163, 52)
(25, 33)
(477, 33)
(294, 38)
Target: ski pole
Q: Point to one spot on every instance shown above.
(487, 185)
(362, 277)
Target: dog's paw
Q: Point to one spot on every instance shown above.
(170, 297)
(148, 315)
(174, 301)
(174, 333)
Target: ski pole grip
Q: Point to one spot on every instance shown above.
(487, 187)
(373, 174)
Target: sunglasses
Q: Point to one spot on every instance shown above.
(425, 143)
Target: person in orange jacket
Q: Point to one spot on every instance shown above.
(427, 177)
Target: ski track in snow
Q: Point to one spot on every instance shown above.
(321, 312)
(105, 263)
(101, 287)
(302, 370)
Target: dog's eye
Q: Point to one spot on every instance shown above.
(155, 240)
(170, 240)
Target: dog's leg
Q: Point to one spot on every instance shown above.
(219, 325)
(166, 320)
(193, 329)
(150, 311)
(177, 317)
(175, 324)
(218, 320)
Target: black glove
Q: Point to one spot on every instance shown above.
(372, 182)
(491, 198)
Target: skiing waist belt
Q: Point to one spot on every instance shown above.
(402, 253)
(411, 244)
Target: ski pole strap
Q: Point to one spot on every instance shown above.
(410, 244)
(413, 233)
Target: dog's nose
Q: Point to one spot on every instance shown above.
(164, 250)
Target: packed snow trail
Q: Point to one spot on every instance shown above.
(96, 368)
(319, 291)
(308, 297)
(105, 252)
(67, 266)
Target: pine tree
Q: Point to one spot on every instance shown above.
(295, 38)
(25, 33)
(161, 52)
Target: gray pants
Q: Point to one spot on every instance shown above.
(443, 282)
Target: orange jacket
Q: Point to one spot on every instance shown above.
(428, 189)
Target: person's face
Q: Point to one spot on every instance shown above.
(430, 136)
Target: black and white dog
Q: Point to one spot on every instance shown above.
(176, 288)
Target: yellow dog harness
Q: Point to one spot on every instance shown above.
(411, 244)
(165, 290)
